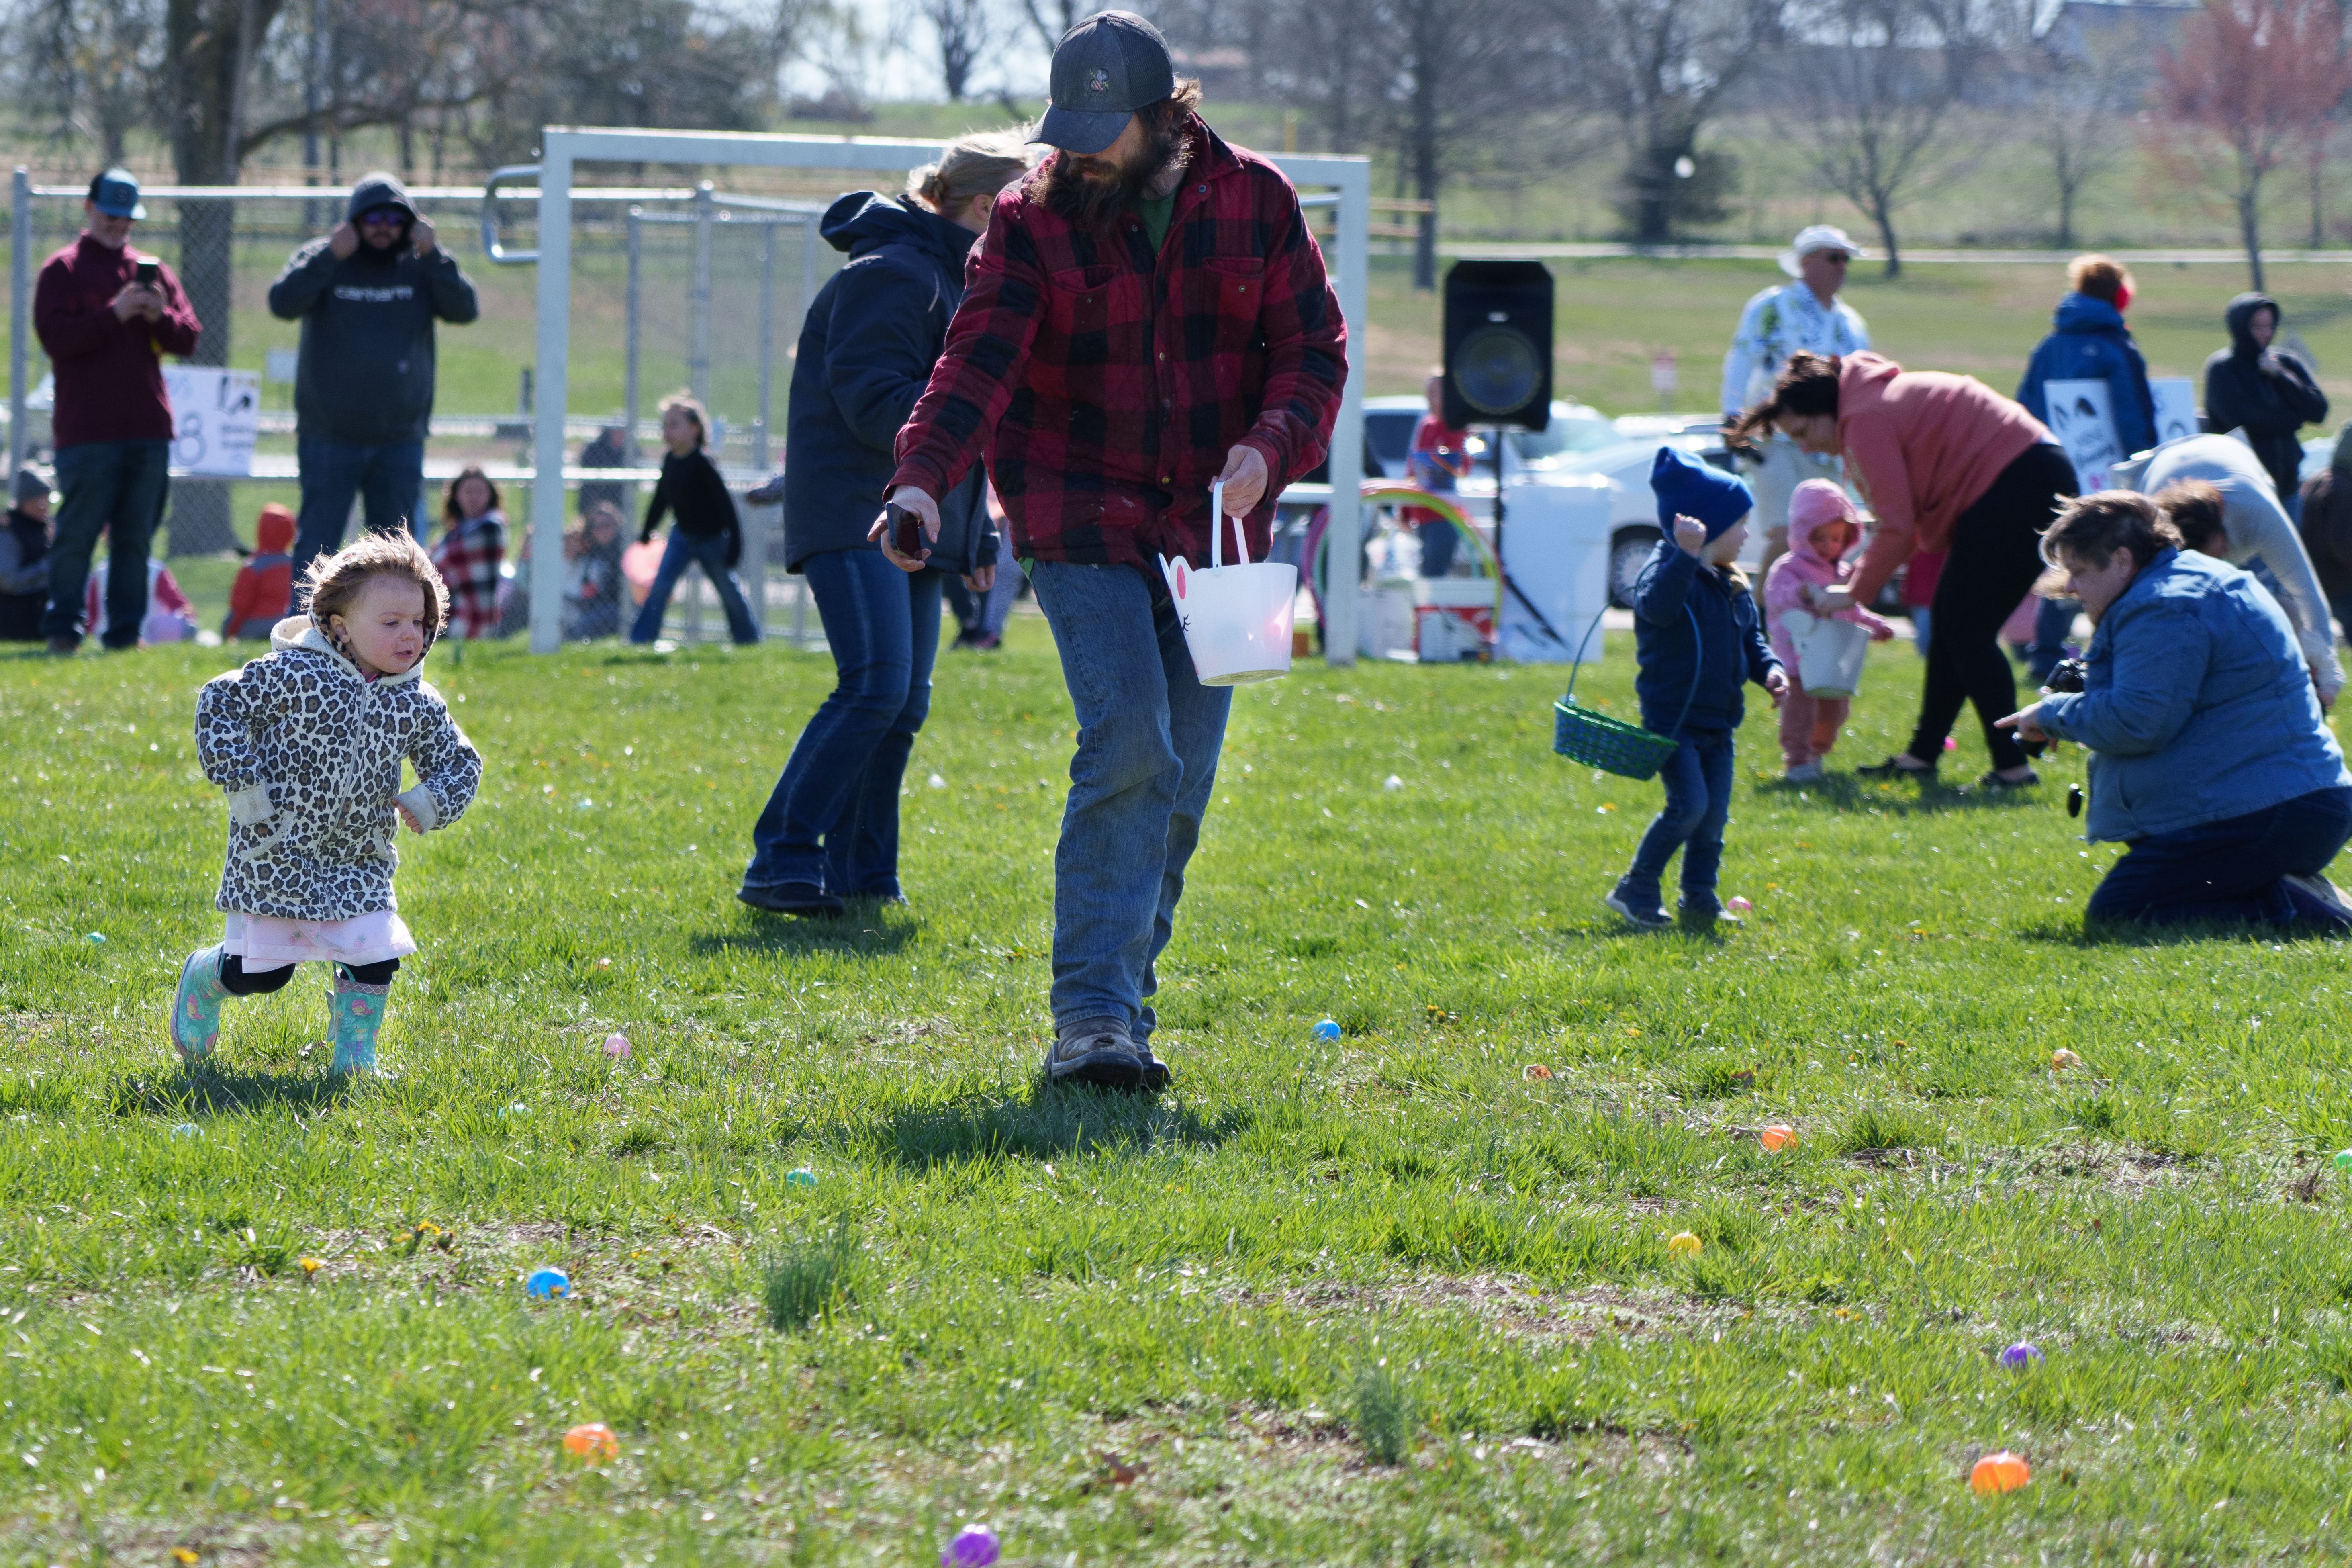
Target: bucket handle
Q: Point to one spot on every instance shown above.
(1217, 529)
(1698, 649)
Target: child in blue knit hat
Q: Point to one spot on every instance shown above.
(1697, 641)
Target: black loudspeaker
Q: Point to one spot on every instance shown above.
(1499, 344)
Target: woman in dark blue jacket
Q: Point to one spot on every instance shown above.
(2088, 341)
(830, 831)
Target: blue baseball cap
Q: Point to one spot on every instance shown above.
(116, 193)
(1104, 68)
(1687, 486)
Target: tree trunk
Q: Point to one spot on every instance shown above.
(1425, 85)
(2250, 230)
(2066, 212)
(1882, 215)
(206, 47)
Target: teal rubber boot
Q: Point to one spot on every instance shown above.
(196, 1005)
(358, 1011)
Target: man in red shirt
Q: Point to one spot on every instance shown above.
(1147, 313)
(106, 331)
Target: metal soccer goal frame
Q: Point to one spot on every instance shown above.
(1343, 184)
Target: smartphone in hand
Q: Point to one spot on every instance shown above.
(148, 272)
(905, 530)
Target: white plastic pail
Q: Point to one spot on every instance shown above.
(1829, 653)
(1236, 618)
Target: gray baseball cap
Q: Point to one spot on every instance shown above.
(1104, 68)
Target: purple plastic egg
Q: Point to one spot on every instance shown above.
(2023, 1354)
(975, 1546)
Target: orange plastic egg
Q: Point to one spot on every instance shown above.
(2059, 1060)
(592, 1442)
(2000, 1472)
(1777, 1137)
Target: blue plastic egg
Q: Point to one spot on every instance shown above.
(548, 1284)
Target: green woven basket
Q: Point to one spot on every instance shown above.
(1610, 744)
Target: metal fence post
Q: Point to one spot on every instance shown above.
(554, 365)
(767, 344)
(697, 370)
(629, 376)
(20, 307)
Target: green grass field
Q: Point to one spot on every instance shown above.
(1306, 1261)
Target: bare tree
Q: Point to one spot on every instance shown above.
(1659, 68)
(2081, 90)
(1872, 102)
(2250, 81)
(1457, 67)
(88, 68)
(1052, 18)
(965, 32)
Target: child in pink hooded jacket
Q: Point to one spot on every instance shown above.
(1822, 527)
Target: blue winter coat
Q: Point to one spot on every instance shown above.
(2090, 343)
(2196, 703)
(1674, 599)
(866, 349)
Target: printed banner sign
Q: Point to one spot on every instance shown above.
(2085, 423)
(213, 418)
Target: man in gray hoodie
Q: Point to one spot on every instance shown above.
(367, 297)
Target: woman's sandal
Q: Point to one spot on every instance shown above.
(1893, 768)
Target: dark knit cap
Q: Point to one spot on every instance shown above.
(1687, 486)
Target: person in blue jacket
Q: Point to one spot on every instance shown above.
(2088, 341)
(2209, 756)
(1697, 641)
(830, 830)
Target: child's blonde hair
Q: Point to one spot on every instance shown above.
(333, 581)
(692, 407)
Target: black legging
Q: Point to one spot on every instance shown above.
(1995, 555)
(261, 981)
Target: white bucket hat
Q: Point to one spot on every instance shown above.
(1818, 237)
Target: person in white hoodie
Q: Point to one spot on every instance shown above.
(2240, 522)
(1803, 313)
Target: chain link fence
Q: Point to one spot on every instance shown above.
(675, 287)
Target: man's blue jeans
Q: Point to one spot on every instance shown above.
(387, 478)
(1697, 776)
(2228, 870)
(833, 819)
(108, 485)
(1149, 734)
(709, 552)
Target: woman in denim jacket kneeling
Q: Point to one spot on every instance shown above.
(2211, 757)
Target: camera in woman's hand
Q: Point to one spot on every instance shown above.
(2068, 675)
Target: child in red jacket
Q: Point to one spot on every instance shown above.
(263, 594)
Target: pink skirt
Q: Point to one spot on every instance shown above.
(264, 941)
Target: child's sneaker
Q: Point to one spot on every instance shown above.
(1652, 919)
(1705, 913)
(196, 1005)
(1803, 772)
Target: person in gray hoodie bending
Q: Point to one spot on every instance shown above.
(2217, 493)
(367, 296)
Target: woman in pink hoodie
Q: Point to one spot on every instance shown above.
(1948, 464)
(1822, 527)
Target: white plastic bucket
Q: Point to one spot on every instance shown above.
(1829, 653)
(1236, 618)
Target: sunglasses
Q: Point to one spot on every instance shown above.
(389, 216)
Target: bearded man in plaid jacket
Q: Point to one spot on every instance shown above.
(1145, 314)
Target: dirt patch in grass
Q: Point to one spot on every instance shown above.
(1516, 1308)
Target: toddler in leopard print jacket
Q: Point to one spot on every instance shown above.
(307, 741)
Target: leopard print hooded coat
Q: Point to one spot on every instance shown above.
(310, 753)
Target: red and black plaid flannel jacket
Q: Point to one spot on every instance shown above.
(1105, 384)
(468, 560)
